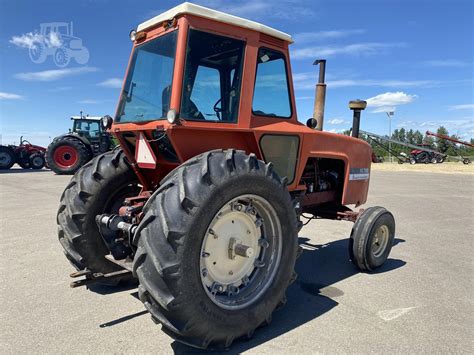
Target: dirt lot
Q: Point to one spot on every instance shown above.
(420, 301)
(450, 168)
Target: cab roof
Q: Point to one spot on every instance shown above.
(92, 118)
(201, 11)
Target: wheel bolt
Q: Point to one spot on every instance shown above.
(263, 243)
(204, 272)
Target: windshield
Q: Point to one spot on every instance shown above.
(147, 91)
(86, 128)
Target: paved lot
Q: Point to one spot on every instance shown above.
(421, 300)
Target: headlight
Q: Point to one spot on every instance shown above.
(171, 116)
(133, 35)
(106, 122)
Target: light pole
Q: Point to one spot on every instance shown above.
(389, 115)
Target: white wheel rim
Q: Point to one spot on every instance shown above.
(240, 252)
(380, 241)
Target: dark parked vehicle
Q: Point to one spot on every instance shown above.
(68, 152)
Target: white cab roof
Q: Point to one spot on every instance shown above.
(201, 11)
(95, 118)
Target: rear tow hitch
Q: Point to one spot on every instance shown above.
(91, 277)
(117, 234)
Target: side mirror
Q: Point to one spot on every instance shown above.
(312, 123)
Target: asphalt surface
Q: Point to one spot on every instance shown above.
(419, 301)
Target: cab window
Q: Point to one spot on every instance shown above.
(271, 95)
(212, 77)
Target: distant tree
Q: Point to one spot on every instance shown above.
(429, 140)
(402, 136)
(417, 137)
(410, 138)
(395, 134)
(442, 144)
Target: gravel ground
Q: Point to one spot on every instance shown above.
(419, 301)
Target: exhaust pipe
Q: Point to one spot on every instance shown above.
(357, 106)
(320, 95)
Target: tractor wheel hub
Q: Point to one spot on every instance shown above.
(230, 246)
(240, 252)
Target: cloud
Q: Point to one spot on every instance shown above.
(27, 40)
(307, 81)
(337, 121)
(112, 83)
(55, 74)
(10, 96)
(334, 130)
(462, 107)
(357, 49)
(388, 101)
(89, 102)
(446, 63)
(243, 9)
(322, 35)
(463, 126)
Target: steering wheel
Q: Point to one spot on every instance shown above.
(194, 111)
(217, 110)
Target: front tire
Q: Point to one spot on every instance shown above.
(191, 227)
(372, 238)
(99, 187)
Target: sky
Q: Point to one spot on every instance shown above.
(414, 58)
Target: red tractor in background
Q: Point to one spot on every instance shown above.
(26, 155)
(426, 157)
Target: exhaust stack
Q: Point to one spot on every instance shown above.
(320, 95)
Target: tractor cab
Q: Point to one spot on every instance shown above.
(88, 127)
(90, 131)
(60, 28)
(199, 79)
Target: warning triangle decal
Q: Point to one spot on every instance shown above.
(144, 154)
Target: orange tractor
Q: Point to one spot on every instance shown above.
(203, 200)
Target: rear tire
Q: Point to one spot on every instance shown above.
(171, 249)
(99, 187)
(66, 156)
(7, 158)
(372, 238)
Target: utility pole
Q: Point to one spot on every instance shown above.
(389, 115)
